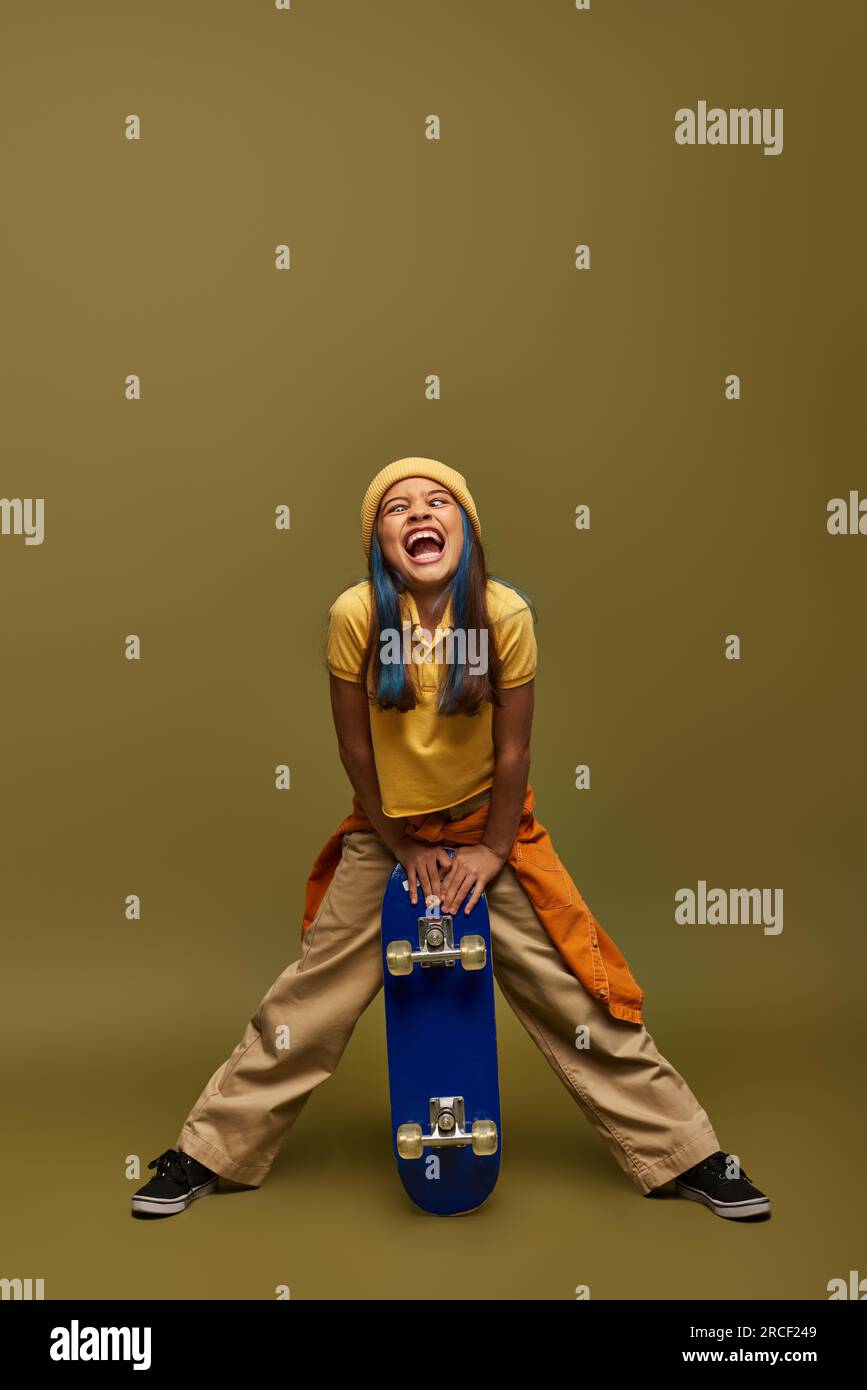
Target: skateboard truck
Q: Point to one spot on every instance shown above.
(436, 946)
(447, 1130)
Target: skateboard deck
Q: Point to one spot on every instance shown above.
(442, 1048)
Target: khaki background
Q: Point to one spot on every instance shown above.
(259, 389)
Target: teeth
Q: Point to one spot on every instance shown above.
(417, 535)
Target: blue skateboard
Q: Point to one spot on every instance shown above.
(442, 1049)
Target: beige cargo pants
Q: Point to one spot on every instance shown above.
(635, 1100)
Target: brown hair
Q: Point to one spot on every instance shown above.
(464, 690)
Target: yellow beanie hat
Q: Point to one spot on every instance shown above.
(414, 468)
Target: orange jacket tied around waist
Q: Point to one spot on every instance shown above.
(589, 952)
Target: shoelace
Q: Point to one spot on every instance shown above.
(170, 1165)
(717, 1164)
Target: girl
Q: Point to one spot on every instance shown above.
(432, 664)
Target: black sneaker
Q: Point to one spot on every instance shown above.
(733, 1197)
(180, 1180)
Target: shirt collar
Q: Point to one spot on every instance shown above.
(445, 622)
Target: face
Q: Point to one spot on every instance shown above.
(421, 532)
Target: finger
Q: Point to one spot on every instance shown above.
(448, 882)
(457, 891)
(474, 896)
(436, 876)
(411, 878)
(433, 868)
(449, 861)
(448, 879)
(424, 870)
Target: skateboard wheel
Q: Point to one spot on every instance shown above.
(409, 1143)
(484, 1138)
(398, 957)
(474, 955)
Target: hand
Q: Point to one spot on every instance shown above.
(422, 864)
(472, 868)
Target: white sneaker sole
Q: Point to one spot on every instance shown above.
(167, 1206)
(759, 1206)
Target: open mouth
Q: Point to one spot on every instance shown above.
(424, 545)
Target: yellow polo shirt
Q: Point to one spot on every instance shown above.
(424, 760)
